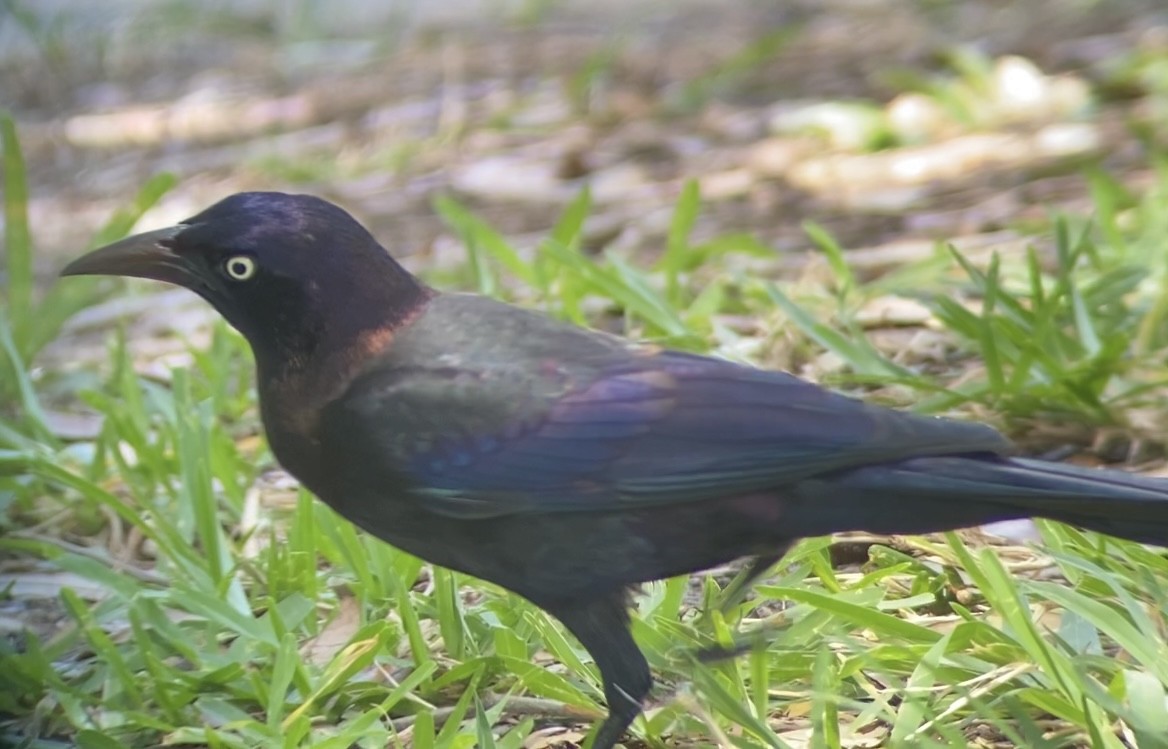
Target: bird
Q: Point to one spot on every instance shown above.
(565, 464)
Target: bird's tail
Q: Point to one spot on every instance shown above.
(924, 495)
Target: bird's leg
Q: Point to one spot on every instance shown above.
(736, 590)
(731, 597)
(602, 627)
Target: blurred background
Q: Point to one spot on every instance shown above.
(783, 110)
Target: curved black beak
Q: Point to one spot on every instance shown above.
(147, 255)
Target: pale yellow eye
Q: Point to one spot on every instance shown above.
(240, 267)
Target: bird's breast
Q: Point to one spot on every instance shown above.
(300, 454)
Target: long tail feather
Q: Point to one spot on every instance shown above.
(931, 494)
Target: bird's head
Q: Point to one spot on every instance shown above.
(297, 275)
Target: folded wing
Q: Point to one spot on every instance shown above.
(638, 431)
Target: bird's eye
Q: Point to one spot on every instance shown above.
(240, 267)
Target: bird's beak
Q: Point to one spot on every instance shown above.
(147, 255)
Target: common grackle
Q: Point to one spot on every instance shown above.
(566, 464)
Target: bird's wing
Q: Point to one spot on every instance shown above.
(643, 431)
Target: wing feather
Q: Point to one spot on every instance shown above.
(640, 431)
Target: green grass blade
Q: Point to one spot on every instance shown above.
(17, 238)
(841, 269)
(677, 247)
(859, 354)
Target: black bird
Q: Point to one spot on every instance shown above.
(566, 464)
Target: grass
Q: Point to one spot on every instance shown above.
(242, 621)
